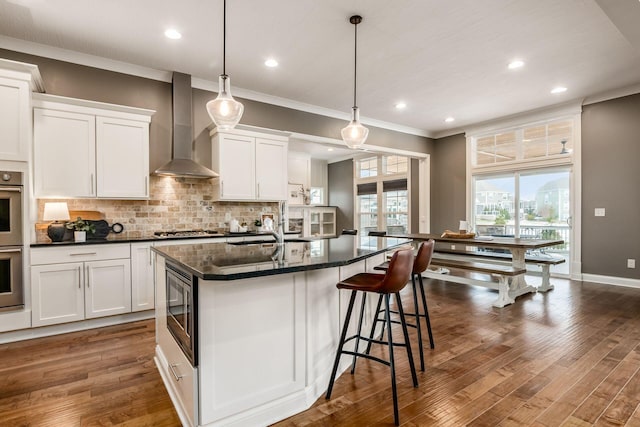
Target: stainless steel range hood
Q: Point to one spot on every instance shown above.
(182, 164)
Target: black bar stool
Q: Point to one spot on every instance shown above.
(420, 264)
(349, 231)
(392, 282)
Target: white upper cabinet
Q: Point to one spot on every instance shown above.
(122, 158)
(65, 153)
(17, 80)
(90, 149)
(252, 165)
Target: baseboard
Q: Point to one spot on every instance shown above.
(64, 328)
(611, 280)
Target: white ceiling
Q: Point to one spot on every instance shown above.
(443, 58)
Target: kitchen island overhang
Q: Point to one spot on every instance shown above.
(268, 319)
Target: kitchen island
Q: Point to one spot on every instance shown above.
(266, 323)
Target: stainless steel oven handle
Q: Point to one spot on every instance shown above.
(6, 251)
(84, 253)
(172, 367)
(14, 189)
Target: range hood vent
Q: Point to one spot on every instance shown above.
(181, 164)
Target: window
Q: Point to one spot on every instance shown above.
(382, 200)
(367, 167)
(521, 180)
(536, 141)
(316, 196)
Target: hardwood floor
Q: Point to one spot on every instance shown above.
(570, 357)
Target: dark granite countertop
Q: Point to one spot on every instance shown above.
(226, 261)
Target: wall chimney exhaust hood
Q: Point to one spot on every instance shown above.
(181, 164)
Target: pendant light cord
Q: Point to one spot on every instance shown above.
(224, 37)
(355, 66)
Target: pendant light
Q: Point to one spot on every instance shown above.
(354, 135)
(224, 110)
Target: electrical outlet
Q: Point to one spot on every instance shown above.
(631, 263)
(453, 247)
(599, 212)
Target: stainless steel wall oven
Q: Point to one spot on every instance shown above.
(11, 286)
(181, 309)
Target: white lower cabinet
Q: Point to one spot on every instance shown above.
(142, 289)
(79, 282)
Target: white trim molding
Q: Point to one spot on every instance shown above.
(611, 280)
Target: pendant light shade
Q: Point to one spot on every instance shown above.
(224, 110)
(355, 135)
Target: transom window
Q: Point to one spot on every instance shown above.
(536, 141)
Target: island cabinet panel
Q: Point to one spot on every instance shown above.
(323, 326)
(252, 342)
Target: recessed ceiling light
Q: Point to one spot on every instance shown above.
(173, 34)
(401, 105)
(329, 149)
(271, 63)
(449, 119)
(516, 64)
(558, 89)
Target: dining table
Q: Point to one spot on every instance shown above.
(518, 246)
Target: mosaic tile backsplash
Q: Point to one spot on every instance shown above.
(174, 204)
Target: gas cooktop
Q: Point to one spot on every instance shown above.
(184, 233)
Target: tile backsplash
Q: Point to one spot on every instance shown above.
(174, 204)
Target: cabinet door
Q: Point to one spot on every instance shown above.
(107, 287)
(271, 169)
(142, 292)
(64, 153)
(122, 158)
(15, 119)
(57, 293)
(236, 166)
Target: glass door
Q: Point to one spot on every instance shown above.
(545, 210)
(532, 204)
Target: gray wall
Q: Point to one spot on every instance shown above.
(341, 192)
(448, 183)
(78, 81)
(611, 180)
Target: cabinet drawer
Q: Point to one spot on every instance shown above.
(79, 253)
(182, 376)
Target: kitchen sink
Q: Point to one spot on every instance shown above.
(268, 241)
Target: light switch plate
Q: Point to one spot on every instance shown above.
(599, 212)
(631, 263)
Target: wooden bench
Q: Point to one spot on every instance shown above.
(489, 272)
(544, 262)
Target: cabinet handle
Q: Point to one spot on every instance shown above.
(87, 275)
(79, 277)
(6, 251)
(258, 190)
(221, 188)
(173, 371)
(150, 257)
(83, 253)
(146, 185)
(91, 188)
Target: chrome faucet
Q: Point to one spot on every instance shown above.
(279, 233)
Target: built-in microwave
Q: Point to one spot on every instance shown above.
(181, 309)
